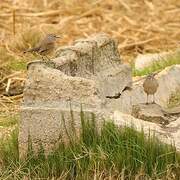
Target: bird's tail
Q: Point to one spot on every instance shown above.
(32, 50)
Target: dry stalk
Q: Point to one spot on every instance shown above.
(8, 86)
(10, 76)
(128, 46)
(14, 21)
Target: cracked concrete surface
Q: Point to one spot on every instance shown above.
(81, 75)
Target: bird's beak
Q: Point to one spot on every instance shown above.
(58, 37)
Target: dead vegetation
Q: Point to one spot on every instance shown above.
(139, 26)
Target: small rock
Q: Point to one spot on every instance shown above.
(150, 112)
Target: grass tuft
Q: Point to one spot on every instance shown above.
(113, 152)
(157, 66)
(174, 100)
(18, 65)
(9, 120)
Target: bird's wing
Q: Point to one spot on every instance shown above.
(42, 49)
(46, 41)
(46, 47)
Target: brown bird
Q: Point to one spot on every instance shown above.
(150, 86)
(45, 46)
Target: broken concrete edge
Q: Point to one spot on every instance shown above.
(47, 84)
(149, 128)
(34, 62)
(100, 39)
(81, 47)
(47, 63)
(95, 40)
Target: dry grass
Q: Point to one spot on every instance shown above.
(145, 26)
(139, 26)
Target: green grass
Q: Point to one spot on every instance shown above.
(157, 66)
(10, 62)
(17, 65)
(174, 100)
(8, 120)
(112, 153)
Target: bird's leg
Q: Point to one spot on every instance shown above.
(147, 99)
(153, 99)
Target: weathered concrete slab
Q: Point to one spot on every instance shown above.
(86, 74)
(50, 85)
(112, 81)
(46, 125)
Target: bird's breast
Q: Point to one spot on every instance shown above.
(150, 86)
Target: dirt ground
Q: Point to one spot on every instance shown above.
(139, 26)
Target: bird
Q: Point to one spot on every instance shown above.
(45, 46)
(150, 86)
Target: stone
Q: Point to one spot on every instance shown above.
(49, 85)
(88, 56)
(150, 112)
(47, 125)
(111, 81)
